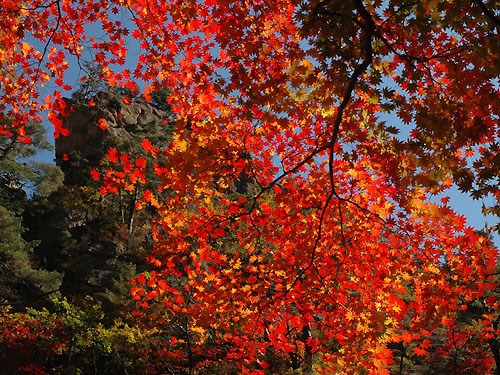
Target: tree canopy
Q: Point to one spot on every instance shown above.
(294, 226)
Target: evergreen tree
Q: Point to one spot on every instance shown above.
(19, 169)
(21, 279)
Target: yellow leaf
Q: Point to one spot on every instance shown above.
(26, 49)
(178, 144)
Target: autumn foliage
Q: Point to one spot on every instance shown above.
(295, 227)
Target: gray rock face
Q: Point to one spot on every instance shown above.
(85, 135)
(97, 257)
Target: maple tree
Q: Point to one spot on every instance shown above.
(294, 224)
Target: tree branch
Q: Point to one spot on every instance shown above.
(488, 13)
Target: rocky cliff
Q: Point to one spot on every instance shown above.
(123, 121)
(100, 245)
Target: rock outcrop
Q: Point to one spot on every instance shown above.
(101, 244)
(122, 121)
